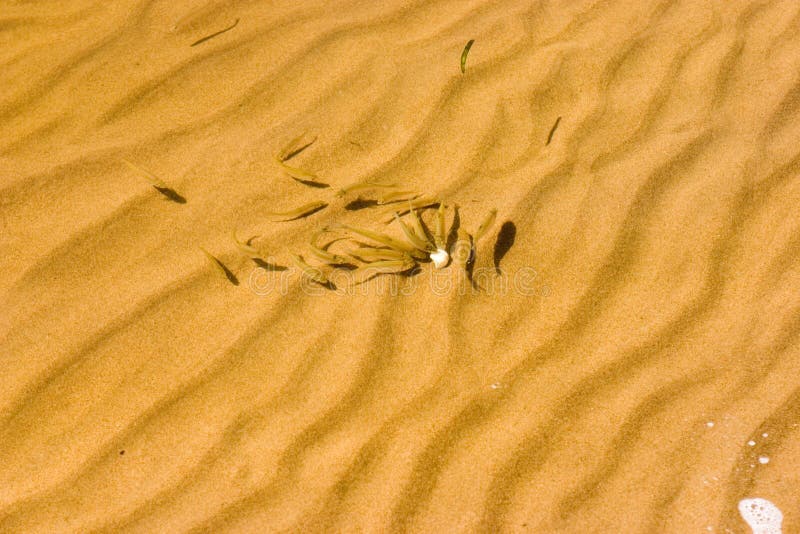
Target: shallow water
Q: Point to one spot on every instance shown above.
(625, 358)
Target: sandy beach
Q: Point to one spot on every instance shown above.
(621, 353)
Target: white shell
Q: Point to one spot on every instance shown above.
(440, 258)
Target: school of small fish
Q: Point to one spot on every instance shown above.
(368, 253)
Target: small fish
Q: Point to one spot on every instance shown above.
(326, 257)
(376, 268)
(416, 204)
(371, 254)
(552, 131)
(293, 147)
(322, 254)
(464, 55)
(485, 225)
(389, 266)
(463, 248)
(419, 228)
(439, 232)
(300, 175)
(219, 266)
(157, 183)
(154, 180)
(207, 37)
(308, 271)
(418, 242)
(384, 239)
(363, 185)
(244, 248)
(298, 213)
(397, 196)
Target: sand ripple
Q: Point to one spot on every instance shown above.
(632, 375)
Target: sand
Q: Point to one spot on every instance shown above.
(627, 360)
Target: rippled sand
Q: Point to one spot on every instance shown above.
(638, 318)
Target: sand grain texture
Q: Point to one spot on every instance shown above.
(649, 328)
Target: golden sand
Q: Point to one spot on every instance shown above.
(629, 361)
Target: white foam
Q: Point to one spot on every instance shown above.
(762, 516)
(763, 459)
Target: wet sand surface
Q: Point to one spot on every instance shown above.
(626, 358)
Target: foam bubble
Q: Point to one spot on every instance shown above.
(762, 516)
